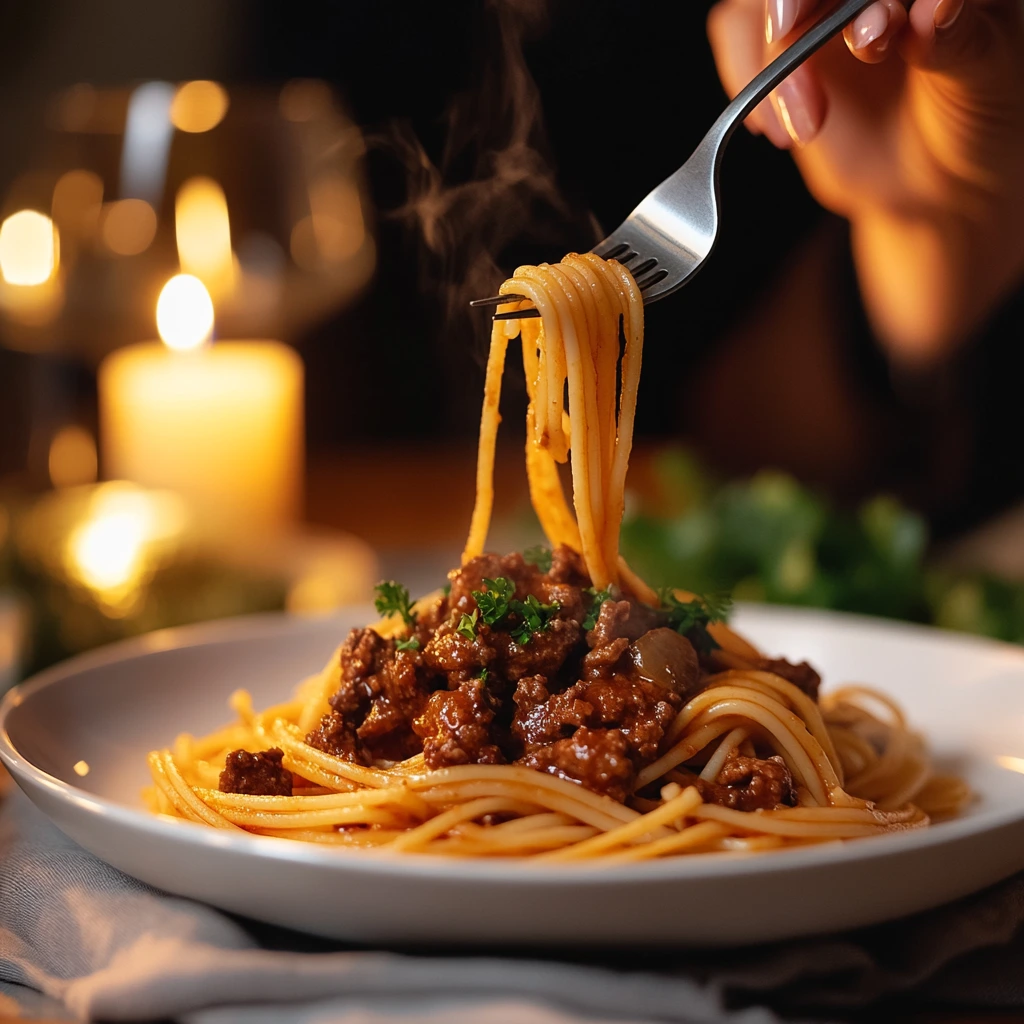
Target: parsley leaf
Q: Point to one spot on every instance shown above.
(467, 625)
(536, 618)
(446, 590)
(692, 618)
(483, 675)
(539, 556)
(412, 644)
(392, 599)
(494, 600)
(600, 596)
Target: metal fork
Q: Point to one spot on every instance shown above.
(673, 230)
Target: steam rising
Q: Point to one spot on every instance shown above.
(492, 186)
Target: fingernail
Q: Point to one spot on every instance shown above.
(946, 12)
(794, 113)
(870, 26)
(781, 19)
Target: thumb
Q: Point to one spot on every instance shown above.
(973, 40)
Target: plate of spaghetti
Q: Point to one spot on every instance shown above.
(544, 749)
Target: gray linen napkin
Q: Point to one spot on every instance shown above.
(104, 946)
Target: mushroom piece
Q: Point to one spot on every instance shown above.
(666, 658)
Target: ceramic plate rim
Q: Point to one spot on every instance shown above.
(426, 866)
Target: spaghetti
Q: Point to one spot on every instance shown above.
(561, 711)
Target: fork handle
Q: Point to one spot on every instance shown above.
(780, 68)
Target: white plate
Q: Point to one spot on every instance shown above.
(110, 707)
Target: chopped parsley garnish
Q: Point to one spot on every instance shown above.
(539, 556)
(446, 590)
(494, 600)
(412, 644)
(467, 625)
(393, 599)
(498, 607)
(692, 618)
(599, 596)
(535, 618)
(483, 675)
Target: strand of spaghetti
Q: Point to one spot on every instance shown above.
(748, 844)
(871, 781)
(579, 371)
(690, 838)
(184, 791)
(849, 694)
(314, 773)
(727, 690)
(799, 701)
(288, 737)
(803, 756)
(630, 373)
(763, 821)
(597, 429)
(532, 282)
(489, 420)
(733, 646)
(541, 820)
(318, 695)
(550, 837)
(437, 826)
(669, 813)
(542, 798)
(728, 745)
(523, 776)
(546, 493)
(685, 749)
(604, 329)
(697, 707)
(399, 796)
(310, 819)
(174, 804)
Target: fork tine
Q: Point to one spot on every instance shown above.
(518, 314)
(497, 300)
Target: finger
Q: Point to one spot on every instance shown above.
(870, 34)
(964, 37)
(801, 105)
(782, 16)
(737, 41)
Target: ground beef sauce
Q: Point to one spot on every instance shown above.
(589, 705)
(260, 774)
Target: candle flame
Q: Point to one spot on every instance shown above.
(203, 231)
(184, 313)
(114, 550)
(29, 248)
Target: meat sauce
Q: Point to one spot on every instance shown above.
(589, 705)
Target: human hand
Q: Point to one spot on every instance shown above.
(923, 153)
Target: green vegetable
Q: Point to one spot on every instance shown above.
(535, 618)
(692, 618)
(412, 644)
(467, 625)
(600, 596)
(493, 600)
(770, 538)
(393, 598)
(539, 556)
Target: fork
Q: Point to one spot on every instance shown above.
(674, 229)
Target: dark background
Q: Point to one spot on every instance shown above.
(625, 92)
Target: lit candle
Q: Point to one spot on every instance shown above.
(221, 423)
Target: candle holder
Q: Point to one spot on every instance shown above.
(258, 193)
(89, 565)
